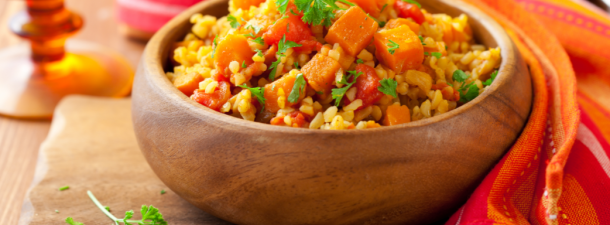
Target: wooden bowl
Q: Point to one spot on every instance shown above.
(254, 173)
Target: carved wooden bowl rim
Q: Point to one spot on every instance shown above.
(157, 48)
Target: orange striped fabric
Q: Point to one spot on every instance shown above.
(558, 171)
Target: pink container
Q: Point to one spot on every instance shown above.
(142, 18)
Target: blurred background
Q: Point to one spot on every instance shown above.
(122, 26)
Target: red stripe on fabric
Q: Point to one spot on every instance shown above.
(568, 16)
(142, 20)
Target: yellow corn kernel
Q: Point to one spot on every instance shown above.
(361, 125)
(377, 114)
(210, 88)
(403, 88)
(307, 101)
(363, 113)
(281, 101)
(339, 77)
(443, 107)
(317, 106)
(365, 55)
(399, 79)
(226, 107)
(372, 124)
(288, 120)
(239, 79)
(334, 54)
(330, 113)
(317, 121)
(353, 106)
(337, 123)
(437, 99)
(351, 93)
(307, 109)
(203, 84)
(347, 115)
(425, 109)
(258, 58)
(234, 67)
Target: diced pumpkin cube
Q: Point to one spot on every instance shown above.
(353, 31)
(409, 54)
(187, 83)
(368, 6)
(245, 4)
(286, 83)
(320, 73)
(234, 47)
(396, 114)
(394, 23)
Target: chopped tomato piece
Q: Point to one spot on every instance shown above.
(367, 86)
(308, 46)
(353, 31)
(408, 10)
(396, 114)
(297, 31)
(298, 119)
(214, 100)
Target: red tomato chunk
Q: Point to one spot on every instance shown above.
(408, 10)
(215, 100)
(366, 86)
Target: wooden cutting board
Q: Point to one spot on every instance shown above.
(92, 146)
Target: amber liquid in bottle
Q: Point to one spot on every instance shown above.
(34, 78)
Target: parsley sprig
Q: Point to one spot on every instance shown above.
(299, 86)
(233, 21)
(338, 93)
(214, 46)
(438, 55)
(472, 90)
(258, 92)
(388, 87)
(282, 47)
(150, 215)
(413, 2)
(491, 80)
(392, 47)
(315, 12)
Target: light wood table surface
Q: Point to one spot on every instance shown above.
(21, 139)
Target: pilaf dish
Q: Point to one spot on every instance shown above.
(332, 64)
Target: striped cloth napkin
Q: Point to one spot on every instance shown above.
(558, 171)
(150, 15)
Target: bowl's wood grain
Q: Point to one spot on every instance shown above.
(253, 173)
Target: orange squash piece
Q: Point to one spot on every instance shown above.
(271, 95)
(410, 53)
(396, 115)
(320, 73)
(234, 47)
(245, 4)
(187, 83)
(394, 23)
(353, 31)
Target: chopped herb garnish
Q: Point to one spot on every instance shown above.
(293, 13)
(388, 87)
(473, 92)
(299, 86)
(338, 93)
(107, 208)
(393, 46)
(215, 45)
(381, 23)
(163, 191)
(296, 65)
(491, 80)
(250, 35)
(259, 40)
(282, 5)
(259, 52)
(274, 68)
(150, 215)
(320, 92)
(284, 45)
(64, 188)
(258, 92)
(446, 47)
(438, 55)
(413, 2)
(359, 61)
(460, 76)
(254, 28)
(233, 21)
(71, 221)
(315, 12)
(243, 64)
(421, 39)
(382, 8)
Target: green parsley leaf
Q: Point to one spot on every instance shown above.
(274, 68)
(320, 92)
(338, 93)
(150, 215)
(64, 188)
(163, 192)
(413, 2)
(282, 5)
(254, 28)
(215, 44)
(460, 76)
(438, 55)
(284, 45)
(107, 208)
(243, 64)
(473, 92)
(296, 65)
(316, 12)
(359, 61)
(393, 46)
(382, 8)
(293, 13)
(258, 92)
(259, 52)
(299, 86)
(388, 87)
(233, 21)
(250, 35)
(259, 40)
(71, 221)
(491, 80)
(421, 39)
